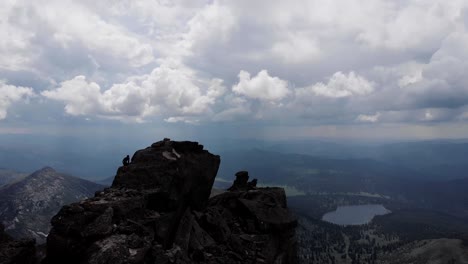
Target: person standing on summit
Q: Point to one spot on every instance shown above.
(126, 160)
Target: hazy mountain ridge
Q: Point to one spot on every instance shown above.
(319, 174)
(27, 206)
(322, 175)
(433, 159)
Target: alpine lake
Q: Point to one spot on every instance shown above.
(355, 214)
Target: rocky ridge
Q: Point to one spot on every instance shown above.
(158, 210)
(27, 205)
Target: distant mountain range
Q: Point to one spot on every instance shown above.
(322, 175)
(28, 204)
(96, 159)
(433, 159)
(318, 174)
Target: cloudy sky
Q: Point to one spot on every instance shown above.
(267, 69)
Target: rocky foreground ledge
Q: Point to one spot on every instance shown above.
(158, 210)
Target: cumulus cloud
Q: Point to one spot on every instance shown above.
(214, 21)
(176, 119)
(392, 25)
(80, 96)
(439, 83)
(15, 47)
(296, 48)
(341, 85)
(10, 94)
(59, 39)
(262, 86)
(368, 118)
(77, 24)
(170, 90)
(353, 61)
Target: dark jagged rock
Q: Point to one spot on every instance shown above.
(181, 171)
(4, 237)
(241, 183)
(16, 251)
(157, 211)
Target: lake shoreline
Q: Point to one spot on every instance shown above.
(354, 214)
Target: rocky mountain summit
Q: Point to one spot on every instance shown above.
(27, 205)
(158, 210)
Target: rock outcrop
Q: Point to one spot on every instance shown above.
(241, 183)
(16, 251)
(158, 211)
(179, 172)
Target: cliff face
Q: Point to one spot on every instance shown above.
(158, 211)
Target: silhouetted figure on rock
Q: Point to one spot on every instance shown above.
(126, 160)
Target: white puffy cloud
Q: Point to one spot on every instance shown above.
(15, 47)
(338, 34)
(413, 24)
(368, 118)
(10, 94)
(439, 83)
(350, 59)
(213, 23)
(176, 119)
(57, 38)
(170, 90)
(340, 85)
(296, 48)
(262, 86)
(76, 23)
(80, 96)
